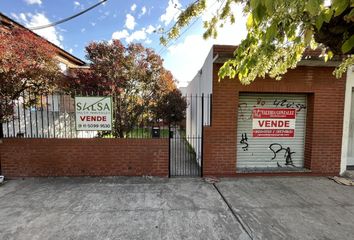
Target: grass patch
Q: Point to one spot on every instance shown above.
(141, 133)
(146, 133)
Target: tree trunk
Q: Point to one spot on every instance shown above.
(121, 134)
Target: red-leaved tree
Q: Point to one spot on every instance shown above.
(27, 63)
(133, 75)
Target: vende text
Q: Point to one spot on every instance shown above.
(271, 123)
(93, 118)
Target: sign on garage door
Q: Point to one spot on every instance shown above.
(273, 122)
(271, 131)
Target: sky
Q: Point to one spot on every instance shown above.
(131, 21)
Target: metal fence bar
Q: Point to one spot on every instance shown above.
(35, 109)
(182, 163)
(169, 150)
(201, 142)
(59, 123)
(64, 117)
(19, 118)
(194, 136)
(53, 116)
(7, 122)
(42, 118)
(30, 114)
(70, 118)
(76, 132)
(186, 156)
(47, 103)
(24, 112)
(13, 120)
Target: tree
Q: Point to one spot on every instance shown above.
(133, 75)
(27, 64)
(171, 107)
(279, 32)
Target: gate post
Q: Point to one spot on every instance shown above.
(202, 139)
(1, 131)
(169, 149)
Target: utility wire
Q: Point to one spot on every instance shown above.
(69, 18)
(164, 48)
(169, 43)
(180, 11)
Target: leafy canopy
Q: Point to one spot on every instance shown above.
(279, 31)
(132, 74)
(27, 64)
(171, 107)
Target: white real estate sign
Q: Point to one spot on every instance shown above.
(93, 113)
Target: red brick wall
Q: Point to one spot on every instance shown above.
(84, 157)
(324, 118)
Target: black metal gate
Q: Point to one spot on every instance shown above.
(185, 160)
(186, 139)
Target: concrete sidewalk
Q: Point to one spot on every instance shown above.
(138, 208)
(292, 208)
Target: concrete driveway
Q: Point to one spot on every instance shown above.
(140, 208)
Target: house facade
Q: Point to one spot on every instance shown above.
(38, 121)
(65, 59)
(289, 127)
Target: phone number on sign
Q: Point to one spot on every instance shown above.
(95, 125)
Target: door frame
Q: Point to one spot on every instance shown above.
(349, 91)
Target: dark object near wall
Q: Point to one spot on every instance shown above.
(155, 132)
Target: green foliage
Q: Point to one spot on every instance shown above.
(133, 75)
(171, 107)
(313, 7)
(146, 133)
(184, 18)
(339, 6)
(343, 67)
(348, 44)
(279, 31)
(27, 64)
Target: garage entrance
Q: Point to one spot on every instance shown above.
(277, 142)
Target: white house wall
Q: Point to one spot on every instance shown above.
(200, 85)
